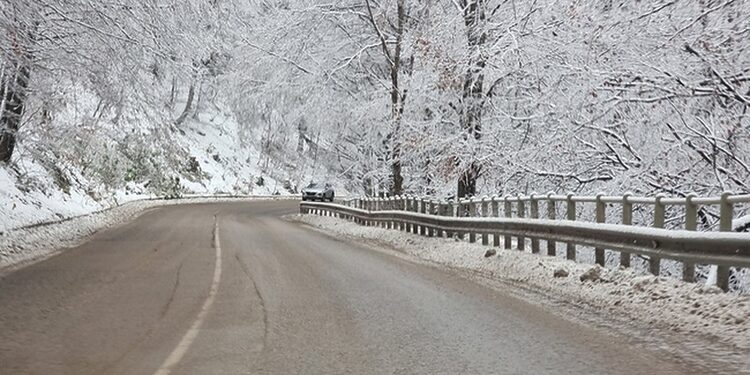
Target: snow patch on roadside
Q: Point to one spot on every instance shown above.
(687, 309)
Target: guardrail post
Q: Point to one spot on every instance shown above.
(551, 214)
(534, 214)
(383, 223)
(398, 203)
(423, 209)
(654, 263)
(402, 205)
(472, 208)
(415, 208)
(485, 235)
(508, 211)
(495, 213)
(726, 213)
(627, 219)
(495, 206)
(460, 213)
(368, 221)
(407, 208)
(430, 211)
(691, 223)
(521, 245)
(570, 214)
(449, 212)
(363, 221)
(440, 212)
(601, 216)
(409, 202)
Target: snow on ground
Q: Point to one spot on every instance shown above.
(37, 188)
(692, 310)
(229, 165)
(34, 198)
(22, 246)
(741, 224)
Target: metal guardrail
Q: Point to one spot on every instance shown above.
(481, 218)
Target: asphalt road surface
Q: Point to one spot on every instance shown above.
(231, 288)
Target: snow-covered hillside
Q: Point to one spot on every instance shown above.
(207, 156)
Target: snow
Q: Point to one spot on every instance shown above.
(695, 311)
(26, 205)
(741, 224)
(38, 188)
(229, 165)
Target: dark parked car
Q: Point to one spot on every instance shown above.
(318, 192)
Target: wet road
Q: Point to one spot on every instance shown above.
(230, 288)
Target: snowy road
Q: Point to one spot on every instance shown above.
(233, 289)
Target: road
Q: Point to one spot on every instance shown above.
(231, 288)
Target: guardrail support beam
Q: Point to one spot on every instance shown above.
(534, 214)
(472, 212)
(726, 213)
(570, 213)
(508, 210)
(601, 217)
(521, 245)
(551, 214)
(654, 262)
(691, 224)
(627, 219)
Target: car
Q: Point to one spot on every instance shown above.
(318, 192)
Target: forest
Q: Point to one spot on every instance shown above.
(431, 97)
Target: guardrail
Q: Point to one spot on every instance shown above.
(521, 219)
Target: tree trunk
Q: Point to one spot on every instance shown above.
(467, 183)
(473, 90)
(198, 102)
(397, 106)
(172, 93)
(302, 135)
(397, 100)
(16, 82)
(188, 106)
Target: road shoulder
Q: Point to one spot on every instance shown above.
(684, 320)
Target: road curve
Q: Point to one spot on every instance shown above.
(286, 300)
